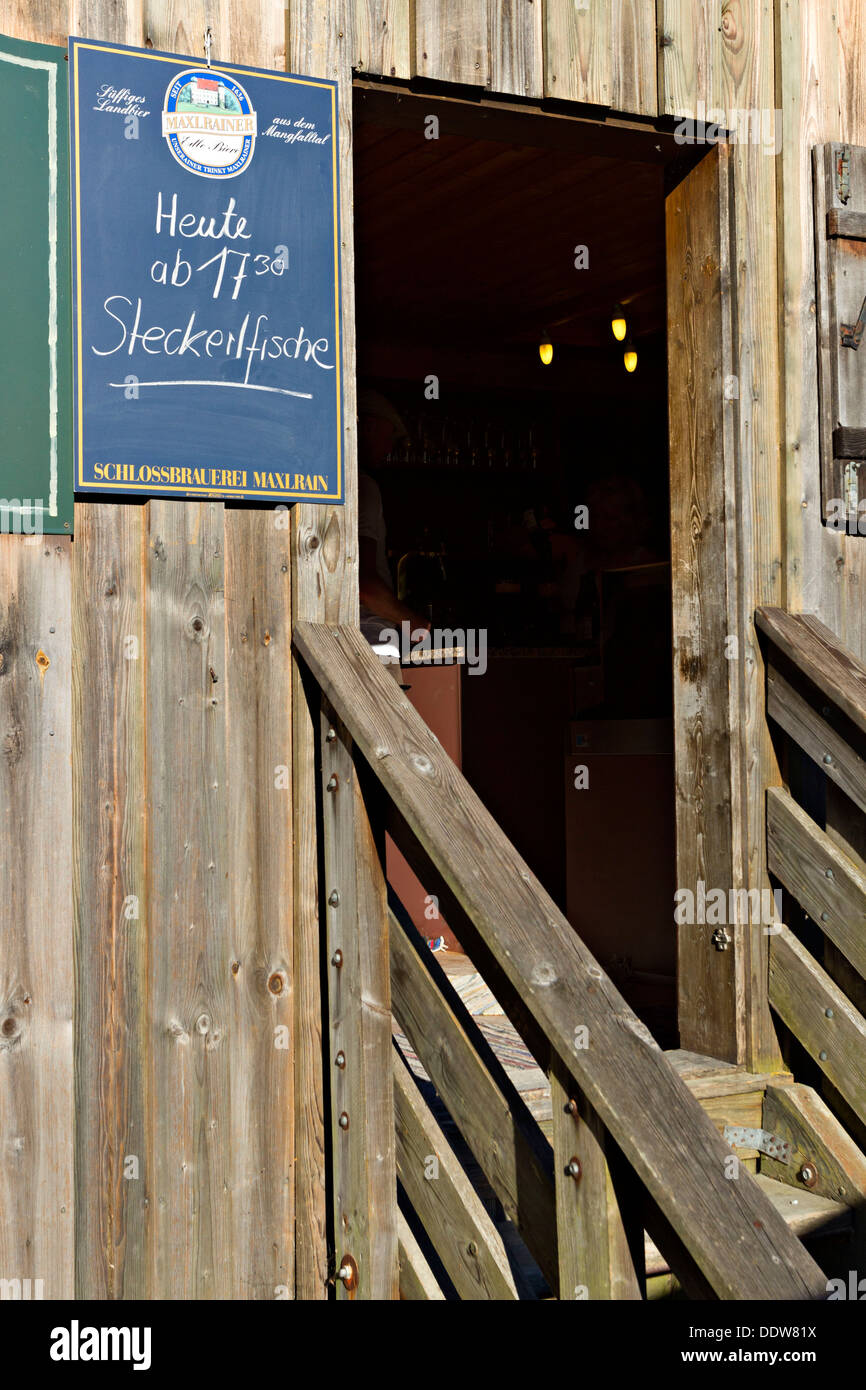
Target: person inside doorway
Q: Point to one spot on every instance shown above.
(380, 428)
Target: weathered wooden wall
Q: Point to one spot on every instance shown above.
(821, 88)
(158, 846)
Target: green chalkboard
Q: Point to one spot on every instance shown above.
(35, 318)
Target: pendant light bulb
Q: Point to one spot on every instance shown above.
(545, 352)
(617, 323)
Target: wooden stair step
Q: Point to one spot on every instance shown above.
(805, 1212)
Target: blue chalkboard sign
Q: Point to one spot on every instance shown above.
(206, 292)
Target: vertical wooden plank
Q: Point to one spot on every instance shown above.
(516, 48)
(257, 686)
(105, 19)
(256, 33)
(191, 945)
(690, 60)
(36, 957)
(362, 1103)
(37, 21)
(382, 37)
(702, 442)
(594, 1256)
(311, 1254)
(241, 33)
(451, 41)
(603, 54)
(755, 488)
(634, 44)
(110, 903)
(320, 43)
(351, 1232)
(577, 52)
(375, 963)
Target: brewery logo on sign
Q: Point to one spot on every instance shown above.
(209, 123)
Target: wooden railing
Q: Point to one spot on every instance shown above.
(631, 1150)
(816, 848)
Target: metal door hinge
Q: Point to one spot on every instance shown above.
(843, 174)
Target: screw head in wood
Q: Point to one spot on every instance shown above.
(331, 734)
(334, 898)
(344, 1121)
(348, 1273)
(340, 1060)
(808, 1175)
(828, 1013)
(570, 1107)
(573, 1168)
(337, 958)
(822, 1056)
(333, 783)
(828, 759)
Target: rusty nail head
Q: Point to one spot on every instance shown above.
(808, 1175)
(337, 958)
(344, 1121)
(340, 1059)
(571, 1107)
(348, 1273)
(334, 898)
(331, 734)
(333, 782)
(573, 1169)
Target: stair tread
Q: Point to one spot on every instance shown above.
(805, 1212)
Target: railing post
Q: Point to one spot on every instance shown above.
(359, 1031)
(595, 1261)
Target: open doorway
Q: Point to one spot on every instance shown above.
(527, 503)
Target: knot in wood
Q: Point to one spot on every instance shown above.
(203, 1024)
(422, 764)
(10, 1030)
(276, 983)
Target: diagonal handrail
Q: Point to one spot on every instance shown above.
(741, 1244)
